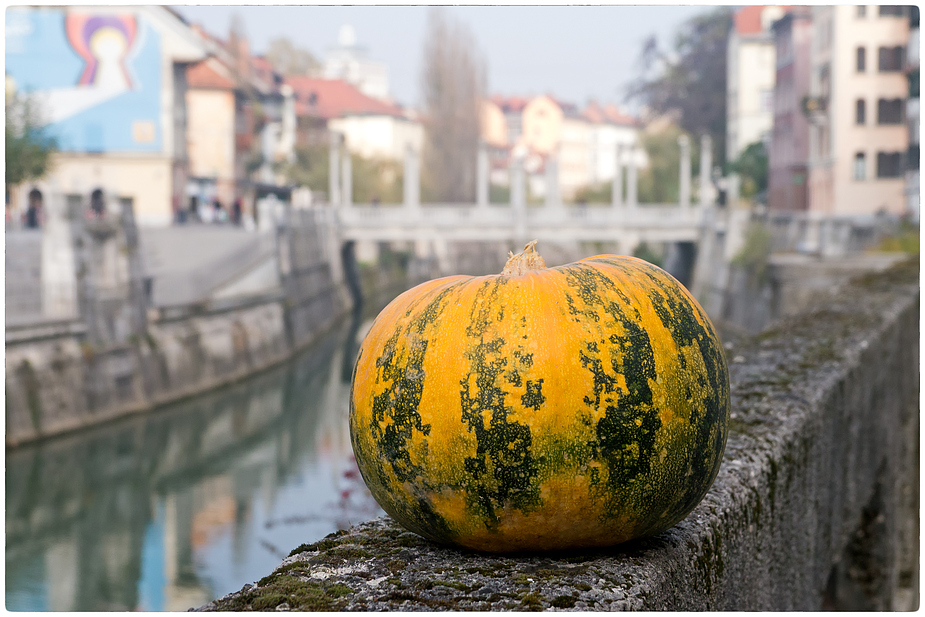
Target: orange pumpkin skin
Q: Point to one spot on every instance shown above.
(569, 407)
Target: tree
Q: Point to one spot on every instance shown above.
(28, 145)
(752, 166)
(374, 179)
(291, 60)
(453, 83)
(691, 81)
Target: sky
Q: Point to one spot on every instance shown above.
(575, 53)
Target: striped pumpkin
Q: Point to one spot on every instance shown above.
(543, 408)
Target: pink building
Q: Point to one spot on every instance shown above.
(788, 155)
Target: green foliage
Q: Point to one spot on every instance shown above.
(28, 145)
(372, 177)
(660, 182)
(498, 194)
(644, 252)
(755, 251)
(690, 80)
(752, 166)
(310, 167)
(376, 178)
(595, 193)
(906, 240)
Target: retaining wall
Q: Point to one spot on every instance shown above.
(815, 506)
(62, 376)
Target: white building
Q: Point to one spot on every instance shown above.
(609, 128)
(349, 62)
(750, 72)
(379, 135)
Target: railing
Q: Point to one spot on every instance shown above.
(451, 216)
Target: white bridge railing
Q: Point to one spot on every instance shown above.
(624, 220)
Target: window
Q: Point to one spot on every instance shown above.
(862, 11)
(860, 112)
(890, 111)
(891, 11)
(861, 59)
(890, 58)
(912, 157)
(889, 164)
(860, 166)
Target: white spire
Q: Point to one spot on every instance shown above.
(346, 37)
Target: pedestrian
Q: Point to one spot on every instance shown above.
(34, 210)
(236, 211)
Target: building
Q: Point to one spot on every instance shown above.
(788, 153)
(350, 62)
(241, 121)
(609, 129)
(858, 96)
(211, 100)
(494, 131)
(111, 82)
(583, 143)
(912, 116)
(371, 127)
(750, 73)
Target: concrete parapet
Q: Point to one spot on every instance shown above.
(815, 506)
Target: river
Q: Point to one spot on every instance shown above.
(170, 509)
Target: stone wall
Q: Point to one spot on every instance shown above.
(72, 373)
(815, 506)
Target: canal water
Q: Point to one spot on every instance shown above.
(171, 509)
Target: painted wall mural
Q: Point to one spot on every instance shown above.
(95, 75)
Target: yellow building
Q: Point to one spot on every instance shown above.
(210, 104)
(858, 136)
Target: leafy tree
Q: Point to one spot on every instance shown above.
(691, 79)
(377, 179)
(291, 60)
(752, 166)
(645, 252)
(310, 167)
(599, 193)
(453, 83)
(373, 178)
(28, 145)
(660, 182)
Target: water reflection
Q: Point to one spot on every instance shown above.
(172, 509)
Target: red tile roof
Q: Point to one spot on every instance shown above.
(208, 75)
(615, 116)
(262, 64)
(748, 19)
(510, 105)
(332, 98)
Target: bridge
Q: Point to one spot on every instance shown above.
(624, 220)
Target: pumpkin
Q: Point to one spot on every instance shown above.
(543, 408)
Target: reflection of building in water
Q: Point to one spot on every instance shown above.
(139, 513)
(182, 589)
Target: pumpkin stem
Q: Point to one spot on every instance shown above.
(524, 261)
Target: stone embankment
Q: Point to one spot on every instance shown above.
(816, 504)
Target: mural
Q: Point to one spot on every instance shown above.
(95, 75)
(103, 42)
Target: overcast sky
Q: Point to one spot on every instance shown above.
(573, 52)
